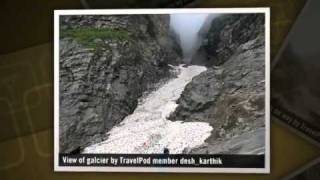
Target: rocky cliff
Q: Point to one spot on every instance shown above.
(230, 94)
(106, 63)
(226, 34)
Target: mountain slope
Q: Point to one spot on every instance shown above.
(106, 63)
(230, 95)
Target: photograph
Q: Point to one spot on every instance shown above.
(162, 90)
(295, 90)
(309, 171)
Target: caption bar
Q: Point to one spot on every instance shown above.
(159, 160)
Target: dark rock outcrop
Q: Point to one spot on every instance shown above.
(230, 95)
(227, 33)
(103, 75)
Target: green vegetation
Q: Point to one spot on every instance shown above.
(90, 36)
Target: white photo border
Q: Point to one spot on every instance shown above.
(58, 13)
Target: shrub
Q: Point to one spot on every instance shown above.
(88, 36)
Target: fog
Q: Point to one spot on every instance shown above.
(187, 27)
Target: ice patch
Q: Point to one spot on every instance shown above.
(147, 130)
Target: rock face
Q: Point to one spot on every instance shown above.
(106, 63)
(230, 95)
(227, 33)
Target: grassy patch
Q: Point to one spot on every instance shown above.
(88, 36)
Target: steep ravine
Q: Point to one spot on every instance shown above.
(147, 130)
(124, 89)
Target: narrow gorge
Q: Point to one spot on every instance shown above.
(143, 83)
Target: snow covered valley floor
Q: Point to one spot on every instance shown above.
(147, 130)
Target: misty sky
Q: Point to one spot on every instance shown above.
(187, 26)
